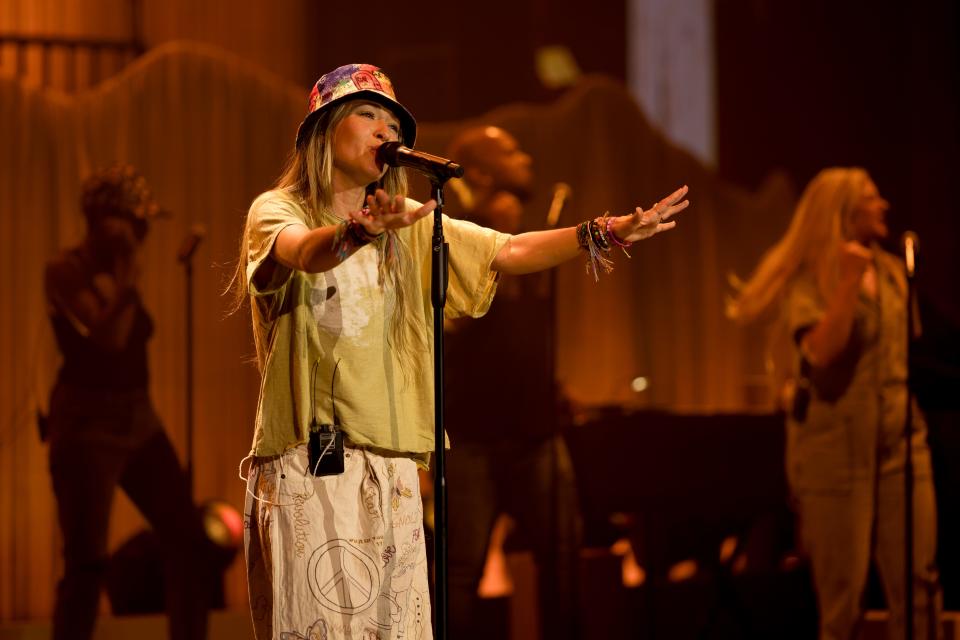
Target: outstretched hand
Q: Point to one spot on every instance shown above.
(383, 213)
(641, 224)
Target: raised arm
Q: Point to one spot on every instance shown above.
(316, 250)
(104, 315)
(539, 250)
(824, 342)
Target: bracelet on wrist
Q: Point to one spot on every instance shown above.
(591, 237)
(351, 236)
(623, 244)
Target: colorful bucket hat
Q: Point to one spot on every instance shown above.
(352, 81)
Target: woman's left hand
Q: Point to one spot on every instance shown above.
(384, 213)
(641, 224)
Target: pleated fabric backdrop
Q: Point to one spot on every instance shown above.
(210, 131)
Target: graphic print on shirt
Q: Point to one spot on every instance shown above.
(343, 299)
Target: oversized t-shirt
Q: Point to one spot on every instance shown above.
(306, 323)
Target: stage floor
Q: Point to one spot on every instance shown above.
(234, 625)
(224, 625)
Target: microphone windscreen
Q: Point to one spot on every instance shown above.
(910, 247)
(387, 153)
(191, 242)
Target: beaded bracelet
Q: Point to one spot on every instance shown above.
(623, 244)
(583, 230)
(592, 239)
(350, 236)
(598, 233)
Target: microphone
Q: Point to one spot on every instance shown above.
(910, 244)
(190, 243)
(434, 167)
(561, 191)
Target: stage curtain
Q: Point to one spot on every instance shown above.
(209, 132)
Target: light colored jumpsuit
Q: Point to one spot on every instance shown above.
(845, 463)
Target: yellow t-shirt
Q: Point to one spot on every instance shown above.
(304, 323)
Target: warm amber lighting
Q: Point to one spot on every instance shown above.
(727, 547)
(496, 581)
(682, 571)
(631, 573)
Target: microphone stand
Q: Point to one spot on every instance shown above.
(185, 257)
(908, 480)
(438, 170)
(438, 296)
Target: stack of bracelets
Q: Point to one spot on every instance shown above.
(351, 236)
(597, 238)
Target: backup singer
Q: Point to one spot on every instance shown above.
(508, 455)
(843, 319)
(103, 430)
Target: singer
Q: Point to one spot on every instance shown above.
(102, 429)
(334, 261)
(840, 356)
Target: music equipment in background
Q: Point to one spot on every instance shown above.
(135, 573)
(703, 501)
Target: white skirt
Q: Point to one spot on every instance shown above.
(334, 557)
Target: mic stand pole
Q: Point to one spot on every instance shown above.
(185, 257)
(556, 435)
(188, 270)
(908, 463)
(438, 296)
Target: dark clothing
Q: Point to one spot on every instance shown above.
(499, 373)
(98, 441)
(103, 433)
(507, 455)
(87, 365)
(535, 486)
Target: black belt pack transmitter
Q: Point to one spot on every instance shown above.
(325, 441)
(325, 450)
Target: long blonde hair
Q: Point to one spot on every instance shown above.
(308, 177)
(820, 224)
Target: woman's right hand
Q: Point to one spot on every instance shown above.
(853, 261)
(384, 213)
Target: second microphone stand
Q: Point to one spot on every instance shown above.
(908, 480)
(185, 257)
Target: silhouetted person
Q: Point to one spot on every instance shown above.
(502, 413)
(102, 428)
